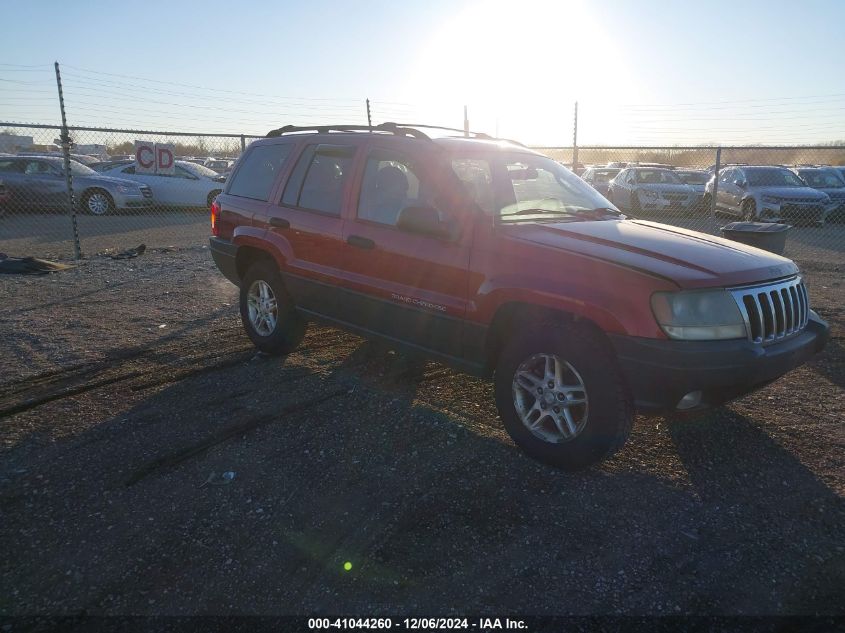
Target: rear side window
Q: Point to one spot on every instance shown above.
(317, 182)
(257, 173)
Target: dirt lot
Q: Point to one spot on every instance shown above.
(128, 388)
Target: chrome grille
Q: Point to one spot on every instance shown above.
(773, 312)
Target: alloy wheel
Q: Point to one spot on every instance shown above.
(550, 398)
(262, 307)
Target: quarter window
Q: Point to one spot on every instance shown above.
(319, 178)
(257, 173)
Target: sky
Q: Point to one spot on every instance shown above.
(643, 73)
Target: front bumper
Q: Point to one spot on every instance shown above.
(661, 372)
(225, 256)
(131, 201)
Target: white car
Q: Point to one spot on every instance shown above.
(191, 186)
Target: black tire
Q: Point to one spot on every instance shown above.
(211, 196)
(97, 202)
(749, 210)
(289, 327)
(610, 410)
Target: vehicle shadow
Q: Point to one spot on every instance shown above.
(347, 453)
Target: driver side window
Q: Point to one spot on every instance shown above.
(390, 184)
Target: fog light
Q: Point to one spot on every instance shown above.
(692, 399)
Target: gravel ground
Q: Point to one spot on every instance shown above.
(127, 388)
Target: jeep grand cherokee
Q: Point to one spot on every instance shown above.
(490, 257)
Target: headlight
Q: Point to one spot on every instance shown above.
(127, 189)
(649, 194)
(771, 199)
(698, 315)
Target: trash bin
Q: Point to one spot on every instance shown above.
(769, 236)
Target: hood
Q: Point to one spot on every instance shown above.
(793, 193)
(690, 259)
(107, 180)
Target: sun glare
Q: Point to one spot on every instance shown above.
(518, 66)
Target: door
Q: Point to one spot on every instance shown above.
(307, 224)
(407, 285)
(159, 185)
(724, 194)
(44, 185)
(11, 172)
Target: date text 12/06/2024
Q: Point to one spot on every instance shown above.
(477, 624)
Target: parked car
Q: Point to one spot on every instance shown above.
(637, 189)
(191, 186)
(36, 182)
(497, 260)
(219, 165)
(599, 177)
(618, 163)
(83, 159)
(831, 182)
(697, 179)
(768, 193)
(5, 198)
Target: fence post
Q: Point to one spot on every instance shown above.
(715, 190)
(65, 138)
(466, 122)
(243, 144)
(369, 117)
(575, 141)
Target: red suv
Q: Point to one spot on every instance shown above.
(495, 259)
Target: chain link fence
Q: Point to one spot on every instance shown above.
(118, 207)
(801, 186)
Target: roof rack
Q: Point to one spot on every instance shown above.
(392, 128)
(479, 135)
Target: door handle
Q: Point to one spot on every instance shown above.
(280, 223)
(360, 242)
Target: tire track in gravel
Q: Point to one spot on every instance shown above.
(78, 379)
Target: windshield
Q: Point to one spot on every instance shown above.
(773, 178)
(821, 178)
(199, 170)
(510, 185)
(605, 175)
(693, 177)
(77, 169)
(657, 177)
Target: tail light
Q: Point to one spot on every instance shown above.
(215, 218)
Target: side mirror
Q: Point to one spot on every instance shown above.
(422, 220)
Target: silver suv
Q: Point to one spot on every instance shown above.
(768, 192)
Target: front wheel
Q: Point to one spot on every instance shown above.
(562, 397)
(267, 311)
(97, 202)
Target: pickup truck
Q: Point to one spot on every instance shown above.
(496, 260)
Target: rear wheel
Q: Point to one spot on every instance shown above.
(749, 210)
(562, 397)
(267, 311)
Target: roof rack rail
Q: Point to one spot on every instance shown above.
(393, 128)
(480, 135)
